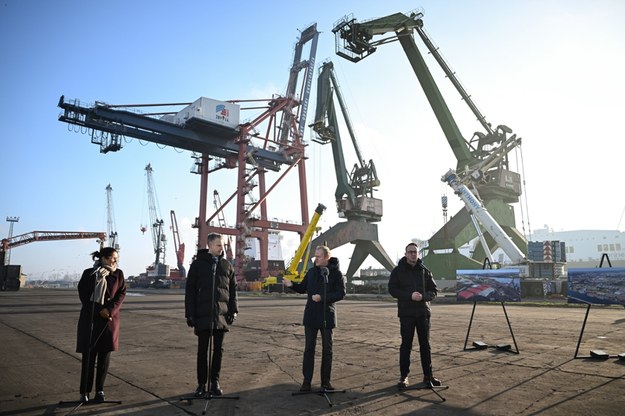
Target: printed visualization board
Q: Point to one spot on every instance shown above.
(601, 286)
(501, 285)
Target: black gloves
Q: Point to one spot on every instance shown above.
(190, 322)
(230, 318)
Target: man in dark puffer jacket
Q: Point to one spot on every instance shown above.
(209, 311)
(412, 284)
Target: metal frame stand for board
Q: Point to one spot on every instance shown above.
(500, 347)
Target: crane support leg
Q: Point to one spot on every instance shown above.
(364, 235)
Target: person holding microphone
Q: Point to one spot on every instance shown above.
(324, 285)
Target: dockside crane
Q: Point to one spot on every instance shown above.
(482, 161)
(178, 245)
(355, 188)
(159, 238)
(10, 274)
(110, 219)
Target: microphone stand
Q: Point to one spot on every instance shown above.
(85, 374)
(323, 391)
(209, 395)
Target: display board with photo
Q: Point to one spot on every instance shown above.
(501, 285)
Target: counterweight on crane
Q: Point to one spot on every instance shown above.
(482, 161)
(354, 190)
(110, 219)
(158, 225)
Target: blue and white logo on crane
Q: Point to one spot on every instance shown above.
(222, 113)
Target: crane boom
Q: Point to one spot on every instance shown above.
(354, 192)
(19, 240)
(477, 209)
(296, 269)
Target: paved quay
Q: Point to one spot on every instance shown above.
(155, 365)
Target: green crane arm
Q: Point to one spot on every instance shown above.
(358, 44)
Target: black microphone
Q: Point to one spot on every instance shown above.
(325, 272)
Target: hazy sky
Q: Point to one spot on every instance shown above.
(550, 70)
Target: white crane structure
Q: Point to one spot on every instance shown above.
(158, 234)
(110, 219)
(479, 212)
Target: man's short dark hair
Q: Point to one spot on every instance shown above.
(213, 236)
(412, 244)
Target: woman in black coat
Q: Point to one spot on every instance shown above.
(324, 284)
(102, 290)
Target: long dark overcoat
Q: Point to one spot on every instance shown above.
(318, 314)
(207, 302)
(105, 334)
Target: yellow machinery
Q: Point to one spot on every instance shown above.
(292, 273)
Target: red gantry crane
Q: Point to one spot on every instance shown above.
(271, 140)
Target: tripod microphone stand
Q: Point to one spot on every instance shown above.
(87, 369)
(323, 391)
(208, 396)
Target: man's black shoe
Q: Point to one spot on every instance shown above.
(403, 383)
(216, 389)
(200, 390)
(432, 381)
(99, 397)
(305, 386)
(84, 397)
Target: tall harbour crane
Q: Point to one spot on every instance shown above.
(157, 224)
(110, 219)
(482, 160)
(354, 191)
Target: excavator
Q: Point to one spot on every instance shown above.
(482, 161)
(354, 190)
(297, 268)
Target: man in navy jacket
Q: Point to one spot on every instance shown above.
(324, 284)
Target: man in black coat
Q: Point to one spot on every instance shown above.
(324, 284)
(412, 284)
(210, 307)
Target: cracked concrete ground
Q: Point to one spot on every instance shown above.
(155, 366)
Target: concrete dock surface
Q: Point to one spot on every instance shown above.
(155, 366)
